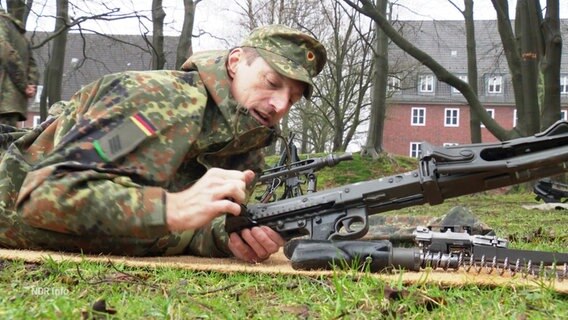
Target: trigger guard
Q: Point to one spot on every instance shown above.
(346, 222)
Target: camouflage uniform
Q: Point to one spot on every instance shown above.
(17, 70)
(93, 177)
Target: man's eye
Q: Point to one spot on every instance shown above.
(271, 82)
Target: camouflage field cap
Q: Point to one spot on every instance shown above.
(290, 52)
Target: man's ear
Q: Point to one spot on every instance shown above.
(233, 60)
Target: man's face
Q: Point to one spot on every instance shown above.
(266, 94)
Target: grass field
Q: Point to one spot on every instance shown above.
(87, 290)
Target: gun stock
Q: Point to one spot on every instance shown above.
(341, 213)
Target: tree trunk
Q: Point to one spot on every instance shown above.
(53, 75)
(474, 123)
(17, 8)
(374, 144)
(184, 49)
(550, 64)
(512, 52)
(527, 25)
(158, 16)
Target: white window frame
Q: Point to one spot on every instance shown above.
(426, 83)
(514, 118)
(564, 84)
(420, 119)
(564, 115)
(415, 149)
(491, 112)
(462, 78)
(495, 85)
(393, 84)
(36, 121)
(39, 90)
(454, 114)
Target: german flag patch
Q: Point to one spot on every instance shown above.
(124, 138)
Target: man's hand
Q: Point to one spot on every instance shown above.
(256, 244)
(218, 192)
(31, 90)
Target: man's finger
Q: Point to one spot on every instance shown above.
(250, 239)
(240, 249)
(274, 236)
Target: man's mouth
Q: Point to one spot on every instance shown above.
(264, 119)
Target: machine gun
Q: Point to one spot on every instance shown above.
(341, 213)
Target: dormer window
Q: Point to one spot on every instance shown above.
(426, 83)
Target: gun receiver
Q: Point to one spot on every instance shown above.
(443, 173)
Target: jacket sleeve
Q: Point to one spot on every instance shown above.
(212, 240)
(33, 73)
(74, 190)
(10, 60)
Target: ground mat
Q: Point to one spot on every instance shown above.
(278, 264)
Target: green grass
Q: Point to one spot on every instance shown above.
(68, 290)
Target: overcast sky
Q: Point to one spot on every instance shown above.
(219, 18)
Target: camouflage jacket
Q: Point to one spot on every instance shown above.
(17, 66)
(96, 173)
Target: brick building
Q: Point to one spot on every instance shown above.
(421, 108)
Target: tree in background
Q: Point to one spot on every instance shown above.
(539, 43)
(184, 49)
(472, 76)
(374, 145)
(53, 76)
(158, 15)
(19, 9)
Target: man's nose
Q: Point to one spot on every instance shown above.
(280, 101)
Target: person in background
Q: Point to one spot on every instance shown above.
(18, 71)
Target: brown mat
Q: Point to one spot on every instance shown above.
(278, 264)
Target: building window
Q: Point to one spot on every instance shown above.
(564, 85)
(38, 93)
(450, 144)
(495, 84)
(415, 150)
(563, 115)
(462, 77)
(514, 118)
(426, 83)
(393, 84)
(452, 118)
(35, 121)
(491, 113)
(418, 117)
